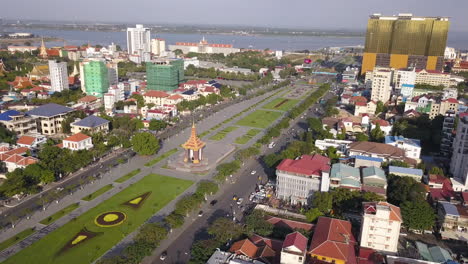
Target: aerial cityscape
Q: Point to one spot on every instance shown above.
(234, 133)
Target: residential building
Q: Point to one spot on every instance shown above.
(385, 126)
(452, 221)
(78, 141)
(112, 73)
(432, 77)
(158, 46)
(18, 122)
(405, 40)
(138, 39)
(374, 176)
(381, 85)
(450, 93)
(412, 147)
(203, 47)
(368, 108)
(380, 228)
(345, 176)
(416, 174)
(459, 161)
(49, 118)
(157, 98)
(96, 78)
(364, 161)
(340, 145)
(450, 104)
(298, 179)
(404, 77)
(450, 53)
(257, 248)
(90, 124)
(31, 142)
(407, 91)
(164, 75)
(448, 134)
(294, 249)
(377, 150)
(16, 158)
(333, 242)
(90, 101)
(58, 76)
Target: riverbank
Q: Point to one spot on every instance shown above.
(22, 41)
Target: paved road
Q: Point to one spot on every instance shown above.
(178, 244)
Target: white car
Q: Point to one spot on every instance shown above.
(253, 172)
(240, 200)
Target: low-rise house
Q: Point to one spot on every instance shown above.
(330, 124)
(333, 242)
(16, 158)
(378, 150)
(294, 248)
(365, 161)
(416, 174)
(31, 142)
(340, 145)
(412, 147)
(258, 248)
(18, 122)
(437, 181)
(453, 220)
(380, 228)
(298, 179)
(155, 97)
(78, 141)
(91, 124)
(283, 223)
(373, 176)
(90, 101)
(49, 118)
(434, 254)
(345, 176)
(385, 126)
(361, 108)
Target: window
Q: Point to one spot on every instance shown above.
(300, 258)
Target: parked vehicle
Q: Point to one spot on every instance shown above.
(163, 255)
(240, 200)
(213, 202)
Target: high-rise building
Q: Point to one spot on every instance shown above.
(113, 73)
(381, 84)
(447, 134)
(164, 75)
(158, 46)
(405, 41)
(96, 78)
(459, 161)
(138, 39)
(58, 76)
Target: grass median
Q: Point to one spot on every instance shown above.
(17, 238)
(161, 157)
(49, 220)
(259, 119)
(128, 176)
(223, 133)
(248, 136)
(97, 193)
(50, 248)
(282, 104)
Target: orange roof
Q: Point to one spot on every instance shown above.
(27, 161)
(87, 99)
(159, 94)
(175, 97)
(14, 158)
(244, 247)
(26, 140)
(77, 137)
(18, 151)
(194, 142)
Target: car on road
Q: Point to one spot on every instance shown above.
(200, 214)
(240, 200)
(163, 255)
(213, 202)
(253, 172)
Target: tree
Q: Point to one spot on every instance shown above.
(185, 205)
(313, 214)
(271, 159)
(145, 143)
(380, 107)
(332, 154)
(256, 224)
(323, 201)
(402, 189)
(157, 124)
(223, 229)
(178, 52)
(417, 215)
(174, 220)
(7, 135)
(202, 250)
(436, 170)
(376, 134)
(152, 233)
(207, 187)
(361, 137)
(398, 163)
(137, 250)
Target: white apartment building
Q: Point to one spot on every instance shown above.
(381, 85)
(78, 142)
(113, 73)
(402, 77)
(158, 47)
(412, 147)
(450, 53)
(58, 76)
(459, 162)
(138, 39)
(340, 145)
(431, 77)
(297, 180)
(380, 229)
(113, 95)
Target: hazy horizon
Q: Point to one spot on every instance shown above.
(329, 15)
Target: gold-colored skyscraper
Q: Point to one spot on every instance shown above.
(405, 41)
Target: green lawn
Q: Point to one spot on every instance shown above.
(13, 240)
(97, 193)
(59, 214)
(281, 104)
(259, 119)
(223, 133)
(248, 136)
(128, 176)
(161, 157)
(47, 250)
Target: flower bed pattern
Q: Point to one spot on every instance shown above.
(110, 219)
(137, 201)
(81, 237)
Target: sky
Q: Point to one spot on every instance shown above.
(311, 14)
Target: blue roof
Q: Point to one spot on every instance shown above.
(449, 208)
(395, 169)
(408, 85)
(6, 116)
(49, 110)
(91, 121)
(189, 92)
(368, 158)
(410, 141)
(217, 85)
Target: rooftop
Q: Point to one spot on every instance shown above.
(77, 137)
(373, 207)
(368, 158)
(49, 110)
(400, 139)
(449, 208)
(91, 121)
(297, 240)
(377, 148)
(395, 169)
(306, 165)
(373, 171)
(7, 115)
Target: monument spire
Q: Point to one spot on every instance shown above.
(193, 147)
(43, 50)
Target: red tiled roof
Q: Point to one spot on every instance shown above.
(291, 224)
(159, 94)
(296, 239)
(53, 52)
(369, 256)
(4, 149)
(175, 97)
(377, 148)
(395, 214)
(465, 196)
(87, 99)
(26, 140)
(356, 99)
(306, 165)
(77, 137)
(381, 122)
(436, 178)
(333, 238)
(244, 247)
(431, 71)
(18, 151)
(27, 161)
(452, 100)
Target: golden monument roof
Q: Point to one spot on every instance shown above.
(194, 142)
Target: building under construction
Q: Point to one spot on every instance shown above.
(164, 75)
